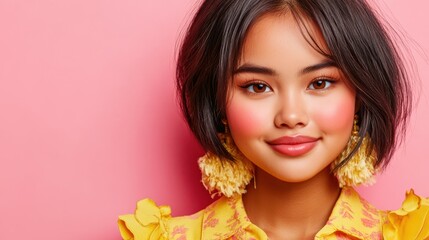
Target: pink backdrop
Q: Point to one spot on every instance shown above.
(89, 123)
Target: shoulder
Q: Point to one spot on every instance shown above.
(151, 221)
(354, 216)
(411, 221)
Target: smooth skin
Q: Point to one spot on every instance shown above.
(284, 87)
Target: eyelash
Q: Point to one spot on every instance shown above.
(325, 78)
(246, 86)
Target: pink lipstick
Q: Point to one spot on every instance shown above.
(293, 146)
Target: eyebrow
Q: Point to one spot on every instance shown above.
(253, 68)
(324, 64)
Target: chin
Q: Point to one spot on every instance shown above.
(295, 179)
(300, 176)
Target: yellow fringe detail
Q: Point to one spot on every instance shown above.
(223, 176)
(360, 168)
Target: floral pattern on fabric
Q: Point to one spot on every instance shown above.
(352, 218)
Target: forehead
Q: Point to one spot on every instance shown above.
(283, 34)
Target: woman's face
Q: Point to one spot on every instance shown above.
(290, 110)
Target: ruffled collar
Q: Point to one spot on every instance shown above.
(352, 216)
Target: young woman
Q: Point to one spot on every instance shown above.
(303, 99)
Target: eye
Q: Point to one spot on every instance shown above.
(320, 84)
(257, 88)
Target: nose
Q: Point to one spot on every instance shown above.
(291, 111)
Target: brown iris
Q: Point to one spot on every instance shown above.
(259, 88)
(319, 84)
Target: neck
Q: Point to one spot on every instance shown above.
(291, 210)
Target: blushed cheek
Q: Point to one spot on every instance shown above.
(245, 119)
(336, 115)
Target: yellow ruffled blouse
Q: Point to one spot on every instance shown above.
(352, 218)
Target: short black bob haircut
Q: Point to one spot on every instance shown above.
(359, 44)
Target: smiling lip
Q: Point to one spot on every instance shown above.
(293, 146)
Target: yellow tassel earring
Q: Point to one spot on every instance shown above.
(360, 168)
(226, 177)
